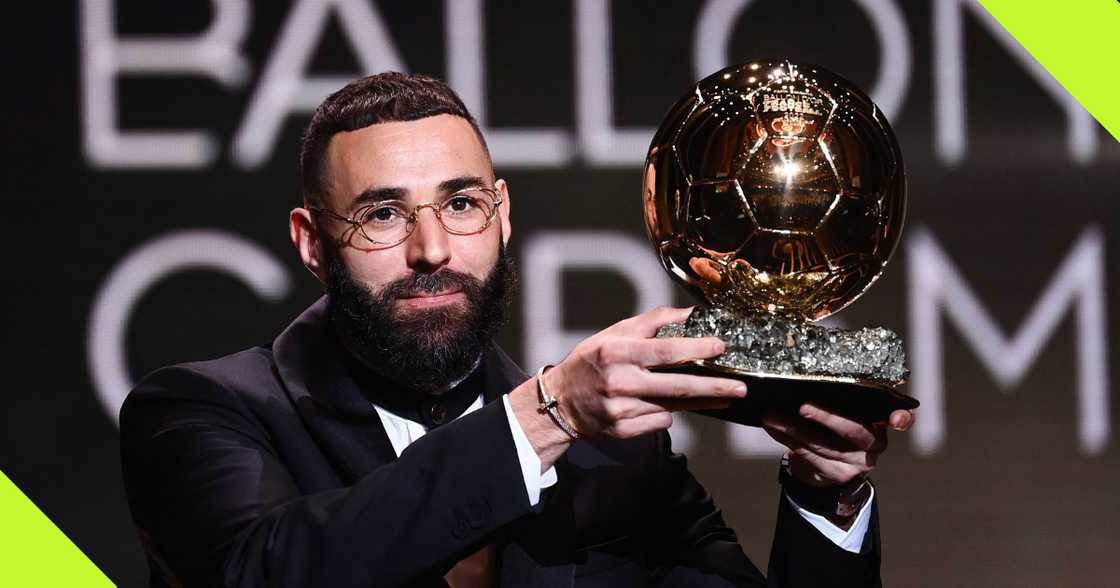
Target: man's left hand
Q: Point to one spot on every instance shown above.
(827, 449)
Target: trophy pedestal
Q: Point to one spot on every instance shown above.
(859, 399)
(787, 362)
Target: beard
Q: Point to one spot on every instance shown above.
(424, 350)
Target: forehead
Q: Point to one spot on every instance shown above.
(414, 156)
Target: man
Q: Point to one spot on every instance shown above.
(382, 440)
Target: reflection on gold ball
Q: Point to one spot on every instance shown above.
(775, 187)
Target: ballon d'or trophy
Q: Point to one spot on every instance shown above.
(775, 192)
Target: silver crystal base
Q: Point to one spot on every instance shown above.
(771, 344)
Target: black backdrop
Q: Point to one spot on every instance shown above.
(123, 257)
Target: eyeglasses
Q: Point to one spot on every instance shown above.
(388, 223)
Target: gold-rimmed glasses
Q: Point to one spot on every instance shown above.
(389, 222)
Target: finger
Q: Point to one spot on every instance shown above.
(803, 470)
(802, 434)
(819, 471)
(641, 425)
(859, 435)
(901, 420)
(651, 386)
(686, 404)
(669, 350)
(646, 324)
(622, 408)
(782, 438)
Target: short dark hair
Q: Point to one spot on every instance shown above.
(385, 97)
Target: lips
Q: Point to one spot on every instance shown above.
(428, 299)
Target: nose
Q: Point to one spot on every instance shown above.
(428, 247)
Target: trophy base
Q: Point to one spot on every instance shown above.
(787, 362)
(860, 399)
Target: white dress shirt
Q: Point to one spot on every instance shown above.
(402, 432)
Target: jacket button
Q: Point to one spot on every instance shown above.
(437, 413)
(461, 529)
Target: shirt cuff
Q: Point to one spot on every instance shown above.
(535, 481)
(850, 540)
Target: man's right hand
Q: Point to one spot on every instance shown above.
(604, 386)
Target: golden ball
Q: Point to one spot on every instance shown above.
(775, 187)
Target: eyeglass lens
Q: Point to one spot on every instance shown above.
(461, 213)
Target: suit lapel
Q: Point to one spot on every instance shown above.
(341, 419)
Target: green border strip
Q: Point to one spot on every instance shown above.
(1077, 41)
(34, 551)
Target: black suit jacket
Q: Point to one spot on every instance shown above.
(263, 469)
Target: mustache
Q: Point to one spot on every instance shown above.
(418, 284)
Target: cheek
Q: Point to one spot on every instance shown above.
(375, 269)
(477, 253)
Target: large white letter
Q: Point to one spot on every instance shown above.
(949, 95)
(713, 32)
(283, 89)
(143, 268)
(936, 285)
(547, 254)
(105, 56)
(466, 73)
(599, 140)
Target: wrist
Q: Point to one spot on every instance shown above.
(839, 503)
(547, 439)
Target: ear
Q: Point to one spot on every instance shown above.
(503, 210)
(305, 236)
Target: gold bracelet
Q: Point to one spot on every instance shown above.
(550, 406)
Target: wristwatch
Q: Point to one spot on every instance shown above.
(837, 503)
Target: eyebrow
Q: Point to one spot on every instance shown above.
(461, 183)
(375, 195)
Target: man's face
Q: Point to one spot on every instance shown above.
(420, 311)
(415, 162)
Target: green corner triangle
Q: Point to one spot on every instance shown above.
(1078, 42)
(35, 552)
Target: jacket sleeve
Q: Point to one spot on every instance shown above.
(802, 556)
(705, 551)
(215, 505)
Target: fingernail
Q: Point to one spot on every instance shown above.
(741, 388)
(718, 347)
(807, 411)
